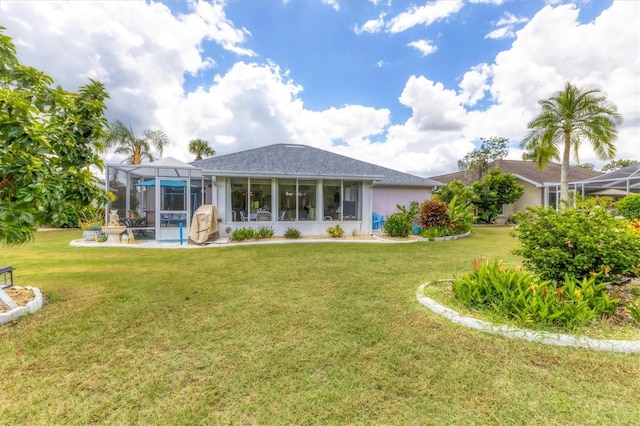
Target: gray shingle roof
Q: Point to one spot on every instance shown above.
(302, 161)
(527, 170)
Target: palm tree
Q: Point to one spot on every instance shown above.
(200, 147)
(122, 138)
(568, 117)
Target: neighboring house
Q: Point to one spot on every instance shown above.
(618, 183)
(281, 186)
(541, 187)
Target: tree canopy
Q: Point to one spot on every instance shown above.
(617, 164)
(199, 147)
(495, 190)
(477, 161)
(568, 118)
(136, 149)
(49, 140)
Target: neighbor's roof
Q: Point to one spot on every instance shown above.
(302, 161)
(527, 171)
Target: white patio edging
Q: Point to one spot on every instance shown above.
(556, 339)
(19, 311)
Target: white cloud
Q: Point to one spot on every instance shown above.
(474, 84)
(254, 104)
(506, 26)
(425, 47)
(333, 3)
(372, 26)
(424, 15)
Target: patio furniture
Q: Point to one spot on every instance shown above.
(4, 271)
(263, 216)
(378, 221)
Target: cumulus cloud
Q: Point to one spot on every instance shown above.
(506, 26)
(425, 47)
(256, 102)
(371, 26)
(424, 15)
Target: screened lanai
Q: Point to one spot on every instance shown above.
(158, 199)
(620, 182)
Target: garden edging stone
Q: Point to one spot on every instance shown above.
(556, 339)
(19, 311)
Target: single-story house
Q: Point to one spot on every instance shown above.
(282, 186)
(541, 187)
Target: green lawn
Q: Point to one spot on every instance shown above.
(318, 333)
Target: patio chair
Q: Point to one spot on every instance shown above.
(243, 216)
(282, 214)
(378, 221)
(263, 216)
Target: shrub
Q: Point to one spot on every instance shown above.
(459, 217)
(292, 233)
(335, 231)
(629, 206)
(263, 232)
(589, 203)
(433, 213)
(575, 243)
(635, 226)
(523, 297)
(493, 191)
(242, 234)
(397, 225)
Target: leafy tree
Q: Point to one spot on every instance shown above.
(49, 139)
(493, 191)
(567, 118)
(588, 166)
(455, 189)
(477, 161)
(124, 141)
(617, 164)
(199, 147)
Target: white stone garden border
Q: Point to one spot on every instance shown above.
(556, 339)
(19, 311)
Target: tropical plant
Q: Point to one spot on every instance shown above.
(292, 233)
(459, 217)
(456, 188)
(49, 141)
(241, 234)
(494, 191)
(556, 243)
(200, 147)
(525, 298)
(123, 140)
(433, 213)
(567, 118)
(335, 231)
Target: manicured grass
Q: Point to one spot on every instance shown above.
(318, 333)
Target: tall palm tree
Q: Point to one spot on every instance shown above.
(199, 147)
(122, 138)
(567, 118)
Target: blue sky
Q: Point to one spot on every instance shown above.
(409, 85)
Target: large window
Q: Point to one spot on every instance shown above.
(331, 198)
(307, 190)
(250, 199)
(296, 200)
